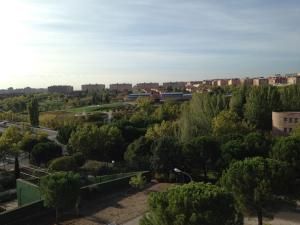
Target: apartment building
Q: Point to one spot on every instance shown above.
(283, 123)
(93, 87)
(277, 80)
(293, 80)
(222, 82)
(233, 82)
(246, 81)
(260, 81)
(62, 89)
(174, 85)
(147, 86)
(124, 87)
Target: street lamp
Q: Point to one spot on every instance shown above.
(185, 173)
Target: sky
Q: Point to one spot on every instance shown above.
(47, 42)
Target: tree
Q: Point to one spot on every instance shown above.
(138, 153)
(287, 149)
(256, 182)
(201, 152)
(192, 204)
(64, 133)
(30, 139)
(232, 151)
(256, 144)
(196, 117)
(60, 190)
(238, 100)
(44, 152)
(33, 111)
(103, 143)
(228, 123)
(166, 128)
(10, 143)
(260, 103)
(167, 154)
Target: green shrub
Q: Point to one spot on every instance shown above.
(138, 181)
(44, 152)
(79, 159)
(64, 163)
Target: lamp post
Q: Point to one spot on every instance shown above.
(185, 173)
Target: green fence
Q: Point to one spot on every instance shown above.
(27, 192)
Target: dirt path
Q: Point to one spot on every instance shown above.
(119, 208)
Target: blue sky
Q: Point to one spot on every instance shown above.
(45, 42)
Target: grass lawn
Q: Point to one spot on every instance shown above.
(94, 108)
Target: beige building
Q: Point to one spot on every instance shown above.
(293, 80)
(63, 89)
(92, 87)
(120, 87)
(260, 81)
(246, 81)
(222, 82)
(234, 82)
(283, 123)
(147, 86)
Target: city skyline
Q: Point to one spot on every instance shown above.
(77, 42)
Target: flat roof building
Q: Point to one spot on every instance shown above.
(284, 123)
(93, 87)
(62, 89)
(260, 81)
(293, 80)
(124, 87)
(233, 82)
(147, 86)
(246, 81)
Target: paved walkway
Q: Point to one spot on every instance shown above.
(134, 221)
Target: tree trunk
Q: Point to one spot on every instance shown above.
(56, 216)
(259, 217)
(205, 172)
(17, 168)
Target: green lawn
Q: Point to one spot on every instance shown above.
(89, 109)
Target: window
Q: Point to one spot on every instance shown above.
(285, 119)
(285, 130)
(290, 130)
(296, 120)
(291, 120)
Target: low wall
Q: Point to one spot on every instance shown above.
(21, 215)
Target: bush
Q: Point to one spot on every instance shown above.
(95, 167)
(64, 163)
(138, 181)
(42, 153)
(79, 159)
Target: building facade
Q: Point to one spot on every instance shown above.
(147, 86)
(246, 81)
(62, 89)
(293, 80)
(125, 87)
(277, 80)
(222, 82)
(233, 82)
(283, 123)
(174, 85)
(260, 81)
(93, 87)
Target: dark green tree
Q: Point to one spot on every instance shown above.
(256, 184)
(138, 153)
(192, 204)
(33, 111)
(287, 149)
(200, 153)
(167, 154)
(260, 103)
(44, 152)
(60, 190)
